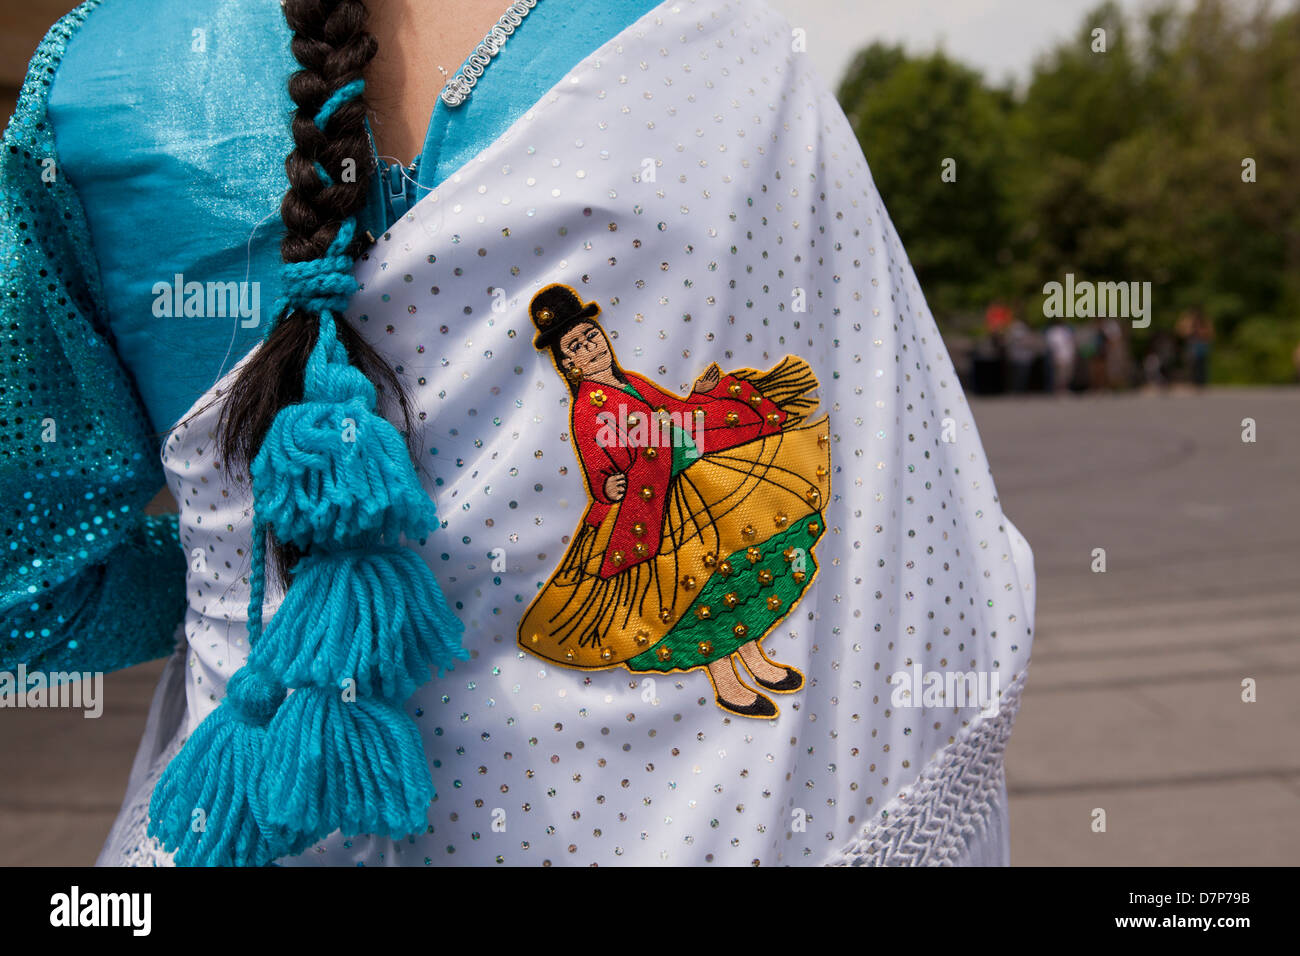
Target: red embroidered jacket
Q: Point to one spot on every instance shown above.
(616, 433)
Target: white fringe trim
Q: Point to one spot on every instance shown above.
(950, 806)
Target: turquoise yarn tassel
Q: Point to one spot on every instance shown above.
(362, 624)
(356, 766)
(330, 471)
(207, 806)
(374, 616)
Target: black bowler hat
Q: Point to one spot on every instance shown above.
(555, 310)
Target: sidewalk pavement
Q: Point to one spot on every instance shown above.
(1133, 703)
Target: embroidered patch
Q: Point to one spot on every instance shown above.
(704, 513)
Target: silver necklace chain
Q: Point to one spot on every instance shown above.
(459, 86)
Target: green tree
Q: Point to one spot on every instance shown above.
(1171, 156)
(913, 116)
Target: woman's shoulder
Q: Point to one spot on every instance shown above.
(175, 77)
(150, 95)
(157, 108)
(169, 51)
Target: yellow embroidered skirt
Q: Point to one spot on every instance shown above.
(735, 555)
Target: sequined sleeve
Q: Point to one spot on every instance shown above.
(87, 581)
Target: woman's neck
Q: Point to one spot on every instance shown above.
(416, 38)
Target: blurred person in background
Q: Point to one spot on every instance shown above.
(1092, 354)
(1200, 339)
(1061, 355)
(1160, 362)
(1023, 347)
(1119, 362)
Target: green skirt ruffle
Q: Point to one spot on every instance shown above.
(696, 640)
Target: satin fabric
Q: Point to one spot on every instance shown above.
(171, 121)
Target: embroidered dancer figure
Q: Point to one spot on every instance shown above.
(704, 514)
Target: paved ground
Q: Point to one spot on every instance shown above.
(1134, 698)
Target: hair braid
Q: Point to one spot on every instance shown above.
(286, 759)
(332, 45)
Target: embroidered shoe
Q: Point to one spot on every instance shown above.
(761, 707)
(788, 684)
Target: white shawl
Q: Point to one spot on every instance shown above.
(696, 179)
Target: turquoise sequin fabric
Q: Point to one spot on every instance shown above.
(87, 581)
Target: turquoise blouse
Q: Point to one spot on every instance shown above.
(136, 157)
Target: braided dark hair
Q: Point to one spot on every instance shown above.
(276, 771)
(331, 43)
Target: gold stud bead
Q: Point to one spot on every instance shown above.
(606, 653)
(699, 413)
(633, 420)
(705, 648)
(688, 582)
(733, 388)
(756, 399)
(730, 599)
(813, 496)
(638, 529)
(822, 440)
(642, 637)
(773, 603)
(821, 471)
(650, 452)
(781, 519)
(616, 558)
(788, 554)
(724, 568)
(748, 531)
(664, 653)
(733, 418)
(640, 550)
(535, 639)
(799, 576)
(814, 527)
(740, 630)
(774, 418)
(597, 398)
(665, 614)
(647, 492)
(765, 576)
(568, 655)
(709, 559)
(704, 612)
(753, 554)
(544, 317)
